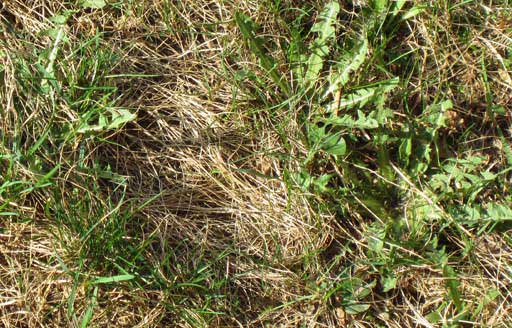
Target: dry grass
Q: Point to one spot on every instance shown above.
(211, 230)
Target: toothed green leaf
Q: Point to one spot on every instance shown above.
(325, 27)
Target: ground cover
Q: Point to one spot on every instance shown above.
(255, 163)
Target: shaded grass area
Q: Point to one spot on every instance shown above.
(255, 163)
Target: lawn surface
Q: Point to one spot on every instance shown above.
(253, 163)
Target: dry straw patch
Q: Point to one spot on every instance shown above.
(33, 287)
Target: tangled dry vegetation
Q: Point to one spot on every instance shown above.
(147, 175)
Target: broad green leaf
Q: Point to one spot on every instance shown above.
(363, 96)
(340, 76)
(434, 317)
(383, 115)
(380, 5)
(94, 4)
(440, 182)
(421, 159)
(452, 283)
(471, 214)
(359, 98)
(315, 134)
(473, 162)
(120, 117)
(365, 290)
(334, 145)
(303, 179)
(85, 128)
(322, 181)
(426, 212)
(59, 37)
(405, 150)
(348, 121)
(59, 19)
(356, 308)
(384, 162)
(389, 283)
(62, 17)
(325, 27)
(493, 293)
(375, 244)
(436, 115)
(499, 212)
(53, 33)
(102, 121)
(375, 238)
(488, 175)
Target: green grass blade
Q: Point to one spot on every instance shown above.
(248, 30)
(90, 309)
(108, 280)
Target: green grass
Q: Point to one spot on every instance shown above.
(270, 163)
